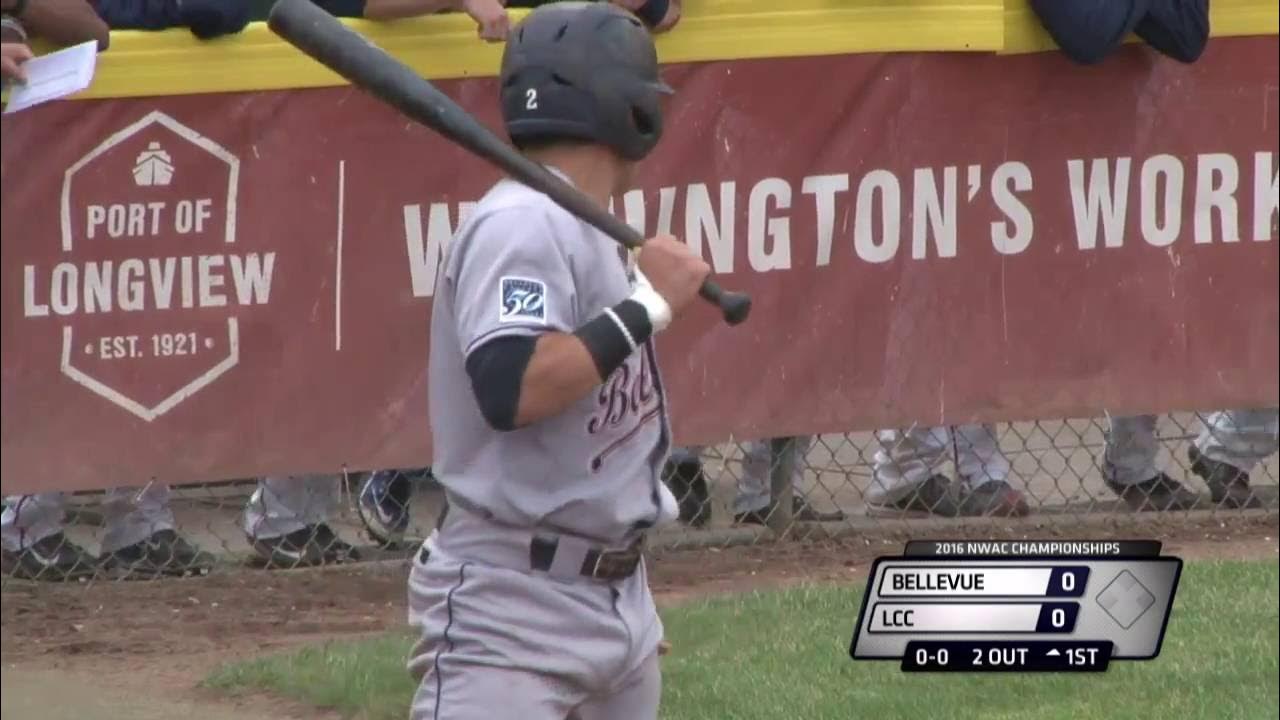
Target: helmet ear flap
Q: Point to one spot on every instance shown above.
(643, 121)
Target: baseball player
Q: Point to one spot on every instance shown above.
(905, 477)
(547, 409)
(1231, 443)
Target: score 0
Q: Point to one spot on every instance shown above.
(1067, 581)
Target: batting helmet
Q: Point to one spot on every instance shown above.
(583, 70)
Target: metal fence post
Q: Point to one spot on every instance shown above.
(782, 457)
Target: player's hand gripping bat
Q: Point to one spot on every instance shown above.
(321, 36)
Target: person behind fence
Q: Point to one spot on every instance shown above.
(490, 16)
(1228, 447)
(287, 521)
(905, 476)
(139, 538)
(753, 504)
(1090, 30)
(206, 19)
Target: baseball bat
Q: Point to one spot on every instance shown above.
(321, 36)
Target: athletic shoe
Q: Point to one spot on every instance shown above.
(994, 498)
(1160, 493)
(164, 553)
(306, 547)
(801, 511)
(53, 558)
(1228, 484)
(935, 496)
(383, 506)
(688, 483)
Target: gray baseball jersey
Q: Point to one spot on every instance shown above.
(521, 265)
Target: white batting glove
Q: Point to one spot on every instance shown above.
(654, 304)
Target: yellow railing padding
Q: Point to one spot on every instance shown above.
(445, 46)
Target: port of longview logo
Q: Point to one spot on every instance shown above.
(150, 280)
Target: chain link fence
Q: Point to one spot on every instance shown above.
(918, 479)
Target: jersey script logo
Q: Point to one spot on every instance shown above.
(626, 401)
(522, 300)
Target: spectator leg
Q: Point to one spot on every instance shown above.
(1177, 28)
(904, 461)
(754, 493)
(1240, 438)
(1088, 30)
(753, 485)
(132, 515)
(1129, 456)
(978, 456)
(29, 519)
(286, 504)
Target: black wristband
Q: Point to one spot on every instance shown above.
(614, 334)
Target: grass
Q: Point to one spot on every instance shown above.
(783, 655)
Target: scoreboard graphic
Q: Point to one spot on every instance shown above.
(1017, 606)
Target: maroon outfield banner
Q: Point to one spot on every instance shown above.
(217, 286)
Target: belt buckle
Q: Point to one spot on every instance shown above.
(613, 561)
(595, 567)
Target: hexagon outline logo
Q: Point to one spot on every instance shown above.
(148, 414)
(182, 131)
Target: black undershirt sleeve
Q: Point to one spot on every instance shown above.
(497, 369)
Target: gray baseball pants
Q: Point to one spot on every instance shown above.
(499, 641)
(284, 504)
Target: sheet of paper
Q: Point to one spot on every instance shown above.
(56, 75)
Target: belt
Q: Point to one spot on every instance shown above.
(597, 563)
(469, 535)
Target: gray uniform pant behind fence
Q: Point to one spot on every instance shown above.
(906, 459)
(1241, 438)
(754, 489)
(130, 515)
(284, 504)
(754, 483)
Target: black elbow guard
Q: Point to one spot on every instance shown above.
(497, 369)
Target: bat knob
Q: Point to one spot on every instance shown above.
(735, 307)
